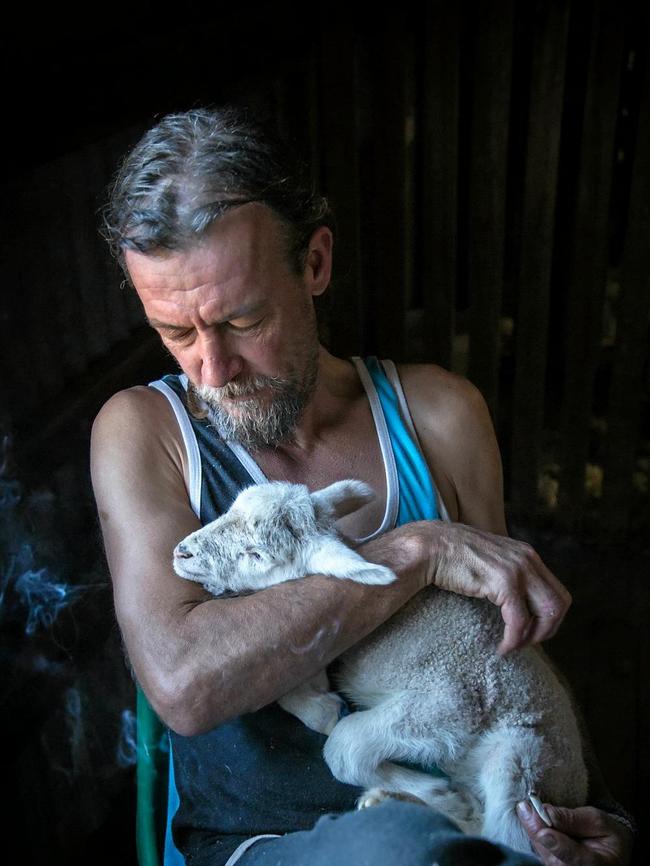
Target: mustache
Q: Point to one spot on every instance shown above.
(248, 388)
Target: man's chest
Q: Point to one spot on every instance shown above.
(353, 451)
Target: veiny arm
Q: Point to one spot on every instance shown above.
(202, 660)
(474, 556)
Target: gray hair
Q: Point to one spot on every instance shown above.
(192, 167)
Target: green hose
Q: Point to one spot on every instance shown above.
(150, 778)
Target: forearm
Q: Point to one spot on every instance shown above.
(234, 655)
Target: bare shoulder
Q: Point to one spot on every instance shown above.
(140, 406)
(137, 423)
(432, 389)
(457, 435)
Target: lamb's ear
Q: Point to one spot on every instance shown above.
(341, 498)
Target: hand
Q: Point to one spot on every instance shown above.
(508, 572)
(580, 837)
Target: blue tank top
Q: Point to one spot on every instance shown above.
(263, 773)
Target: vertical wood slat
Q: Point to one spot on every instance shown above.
(550, 22)
(410, 139)
(17, 364)
(55, 208)
(340, 181)
(439, 184)
(84, 178)
(588, 267)
(299, 109)
(631, 351)
(384, 199)
(34, 285)
(123, 310)
(487, 184)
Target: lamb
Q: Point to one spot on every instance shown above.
(427, 685)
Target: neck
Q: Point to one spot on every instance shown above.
(337, 387)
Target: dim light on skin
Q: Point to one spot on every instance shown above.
(238, 321)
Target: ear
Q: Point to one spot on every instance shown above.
(340, 498)
(318, 262)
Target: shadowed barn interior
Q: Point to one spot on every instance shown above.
(489, 168)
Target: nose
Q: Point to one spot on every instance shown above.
(181, 552)
(219, 364)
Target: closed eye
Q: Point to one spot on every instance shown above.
(179, 336)
(253, 554)
(242, 329)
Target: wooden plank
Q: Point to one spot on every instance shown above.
(410, 140)
(85, 179)
(123, 311)
(339, 180)
(21, 390)
(631, 352)
(488, 153)
(588, 266)
(438, 148)
(549, 26)
(37, 291)
(384, 202)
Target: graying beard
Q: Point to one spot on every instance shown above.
(263, 426)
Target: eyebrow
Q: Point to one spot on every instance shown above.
(236, 314)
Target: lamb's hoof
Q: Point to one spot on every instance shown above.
(375, 796)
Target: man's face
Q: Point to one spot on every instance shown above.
(239, 323)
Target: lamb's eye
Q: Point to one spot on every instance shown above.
(252, 554)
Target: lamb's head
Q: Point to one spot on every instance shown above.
(263, 534)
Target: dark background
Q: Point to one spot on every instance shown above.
(488, 164)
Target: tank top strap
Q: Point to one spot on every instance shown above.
(418, 497)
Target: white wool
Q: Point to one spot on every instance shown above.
(428, 684)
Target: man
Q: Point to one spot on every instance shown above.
(227, 246)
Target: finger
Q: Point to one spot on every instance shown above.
(548, 601)
(529, 818)
(585, 822)
(535, 828)
(554, 847)
(548, 591)
(544, 627)
(517, 619)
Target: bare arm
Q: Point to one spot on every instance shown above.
(192, 653)
(474, 555)
(202, 660)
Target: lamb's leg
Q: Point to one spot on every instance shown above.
(506, 763)
(360, 746)
(314, 704)
(331, 556)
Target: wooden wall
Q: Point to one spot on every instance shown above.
(488, 164)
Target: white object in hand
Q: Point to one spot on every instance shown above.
(538, 806)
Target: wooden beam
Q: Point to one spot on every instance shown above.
(488, 155)
(631, 351)
(589, 259)
(383, 179)
(549, 26)
(438, 149)
(339, 179)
